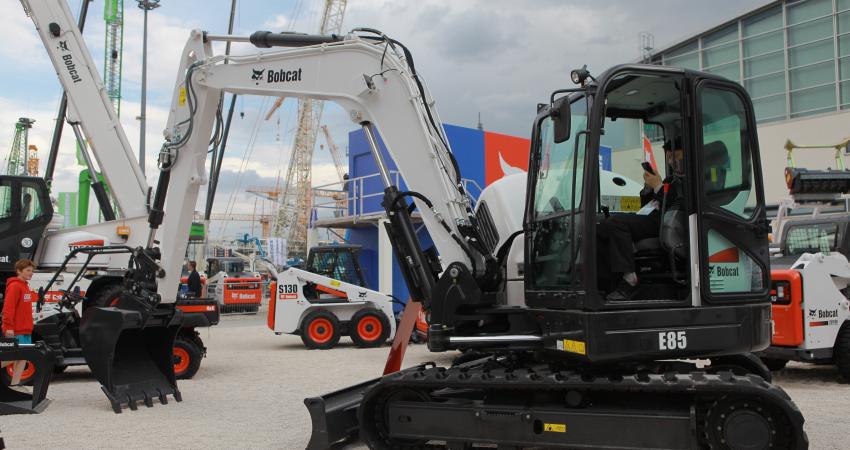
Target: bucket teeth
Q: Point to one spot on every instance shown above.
(148, 401)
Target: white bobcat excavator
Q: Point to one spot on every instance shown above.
(89, 264)
(567, 367)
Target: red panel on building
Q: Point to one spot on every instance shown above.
(504, 155)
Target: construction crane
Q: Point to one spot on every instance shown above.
(113, 15)
(17, 161)
(264, 219)
(337, 157)
(295, 202)
(32, 160)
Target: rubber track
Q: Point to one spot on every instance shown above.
(699, 385)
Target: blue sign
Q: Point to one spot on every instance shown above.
(604, 158)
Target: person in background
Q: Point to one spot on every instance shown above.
(17, 311)
(194, 281)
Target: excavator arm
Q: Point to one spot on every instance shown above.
(372, 77)
(89, 107)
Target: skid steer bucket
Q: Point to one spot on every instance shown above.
(130, 351)
(17, 402)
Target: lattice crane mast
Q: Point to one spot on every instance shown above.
(113, 15)
(16, 162)
(295, 202)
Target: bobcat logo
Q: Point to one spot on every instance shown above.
(813, 313)
(258, 75)
(63, 45)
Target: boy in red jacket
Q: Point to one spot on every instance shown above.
(17, 306)
(17, 311)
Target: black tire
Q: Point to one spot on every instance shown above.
(369, 327)
(774, 364)
(842, 351)
(105, 296)
(186, 348)
(320, 330)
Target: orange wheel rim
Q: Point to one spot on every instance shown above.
(114, 302)
(369, 328)
(29, 371)
(182, 362)
(321, 330)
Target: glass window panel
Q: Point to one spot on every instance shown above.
(690, 47)
(687, 61)
(723, 36)
(812, 75)
(810, 53)
(768, 20)
(30, 204)
(764, 43)
(770, 108)
(808, 10)
(844, 68)
(844, 45)
(845, 95)
(764, 86)
(812, 101)
(726, 158)
(720, 55)
(730, 71)
(810, 31)
(764, 64)
(844, 22)
(843, 4)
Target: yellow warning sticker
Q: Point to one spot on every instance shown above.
(181, 99)
(574, 347)
(555, 427)
(629, 203)
(334, 283)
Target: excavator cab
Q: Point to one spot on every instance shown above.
(25, 211)
(698, 243)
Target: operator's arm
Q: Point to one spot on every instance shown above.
(652, 188)
(10, 305)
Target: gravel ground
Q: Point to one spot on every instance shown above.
(249, 394)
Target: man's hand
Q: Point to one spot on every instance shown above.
(652, 180)
(10, 333)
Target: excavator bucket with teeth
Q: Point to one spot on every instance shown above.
(129, 349)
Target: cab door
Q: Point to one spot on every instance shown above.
(730, 224)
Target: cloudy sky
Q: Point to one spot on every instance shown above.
(498, 58)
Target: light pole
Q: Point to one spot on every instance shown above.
(145, 5)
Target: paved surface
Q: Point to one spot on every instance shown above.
(249, 394)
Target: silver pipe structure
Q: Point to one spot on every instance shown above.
(145, 5)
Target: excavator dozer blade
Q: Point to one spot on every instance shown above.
(17, 402)
(334, 415)
(130, 352)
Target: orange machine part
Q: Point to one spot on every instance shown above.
(272, 304)
(331, 291)
(788, 319)
(244, 291)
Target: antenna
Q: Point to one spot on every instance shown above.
(480, 125)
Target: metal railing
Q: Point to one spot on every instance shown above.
(349, 199)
